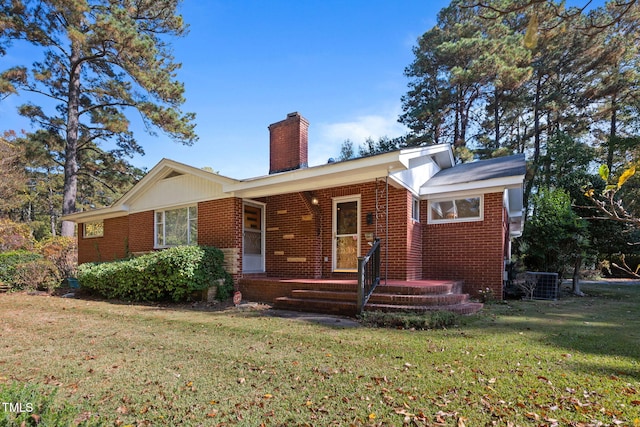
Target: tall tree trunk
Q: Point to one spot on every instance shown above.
(536, 141)
(496, 119)
(71, 151)
(575, 288)
(456, 126)
(612, 131)
(52, 211)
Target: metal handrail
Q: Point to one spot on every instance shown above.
(368, 274)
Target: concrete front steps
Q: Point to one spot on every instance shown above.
(418, 296)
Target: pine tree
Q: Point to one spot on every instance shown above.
(102, 58)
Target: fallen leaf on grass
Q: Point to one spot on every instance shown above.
(544, 379)
(532, 416)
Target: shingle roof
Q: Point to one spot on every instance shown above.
(481, 170)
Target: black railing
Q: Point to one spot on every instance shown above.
(368, 274)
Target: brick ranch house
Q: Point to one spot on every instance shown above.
(436, 220)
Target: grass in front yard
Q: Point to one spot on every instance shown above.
(575, 361)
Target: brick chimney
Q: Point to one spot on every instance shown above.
(288, 140)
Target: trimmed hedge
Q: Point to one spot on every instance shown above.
(172, 274)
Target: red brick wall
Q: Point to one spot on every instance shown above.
(141, 229)
(299, 235)
(220, 225)
(469, 251)
(293, 244)
(113, 244)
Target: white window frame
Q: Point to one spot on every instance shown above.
(87, 234)
(415, 209)
(191, 240)
(480, 216)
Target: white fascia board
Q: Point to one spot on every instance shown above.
(97, 214)
(341, 173)
(485, 186)
(317, 177)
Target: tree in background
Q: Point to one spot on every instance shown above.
(555, 238)
(462, 65)
(13, 179)
(496, 77)
(370, 147)
(101, 58)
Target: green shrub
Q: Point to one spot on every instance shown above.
(8, 263)
(172, 274)
(406, 320)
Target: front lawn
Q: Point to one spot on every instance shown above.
(575, 361)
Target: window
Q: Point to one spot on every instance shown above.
(455, 210)
(177, 227)
(415, 209)
(93, 229)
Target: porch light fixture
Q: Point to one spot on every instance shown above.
(315, 201)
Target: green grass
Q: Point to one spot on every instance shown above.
(575, 361)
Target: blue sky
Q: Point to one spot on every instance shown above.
(247, 64)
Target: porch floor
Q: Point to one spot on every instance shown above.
(339, 296)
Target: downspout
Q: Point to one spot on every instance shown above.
(386, 252)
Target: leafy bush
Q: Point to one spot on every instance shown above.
(40, 274)
(403, 320)
(174, 273)
(8, 263)
(62, 252)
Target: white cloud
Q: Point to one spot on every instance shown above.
(331, 135)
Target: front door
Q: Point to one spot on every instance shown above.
(346, 233)
(253, 238)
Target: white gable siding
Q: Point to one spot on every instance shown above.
(176, 191)
(420, 170)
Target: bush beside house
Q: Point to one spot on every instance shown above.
(172, 274)
(34, 265)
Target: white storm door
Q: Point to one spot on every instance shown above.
(253, 238)
(346, 233)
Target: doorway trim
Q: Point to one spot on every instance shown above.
(336, 201)
(253, 263)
